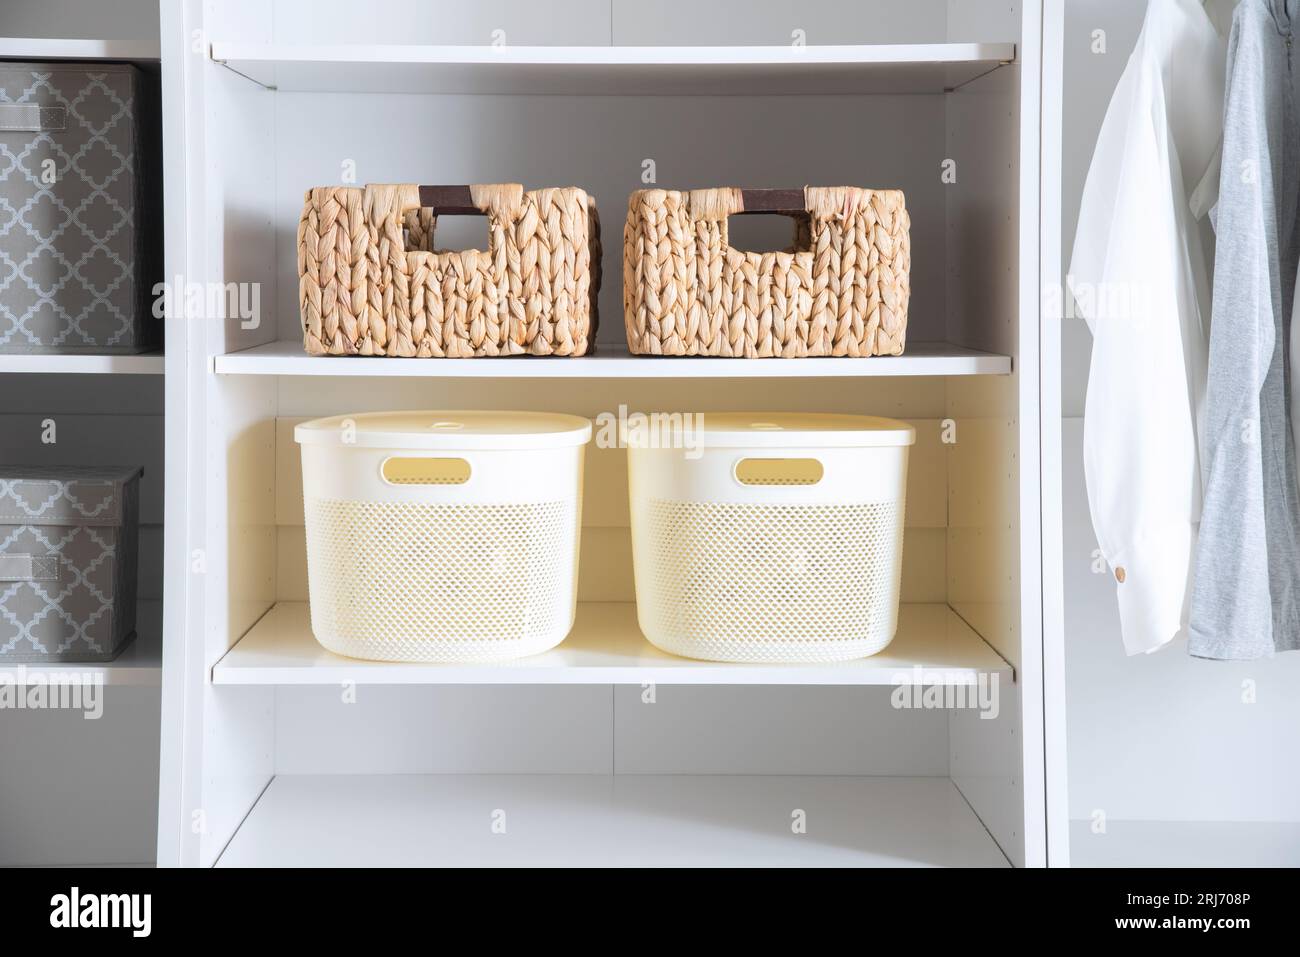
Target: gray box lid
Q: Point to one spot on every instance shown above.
(63, 495)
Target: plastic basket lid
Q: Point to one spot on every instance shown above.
(447, 430)
(769, 430)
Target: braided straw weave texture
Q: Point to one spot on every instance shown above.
(371, 283)
(842, 290)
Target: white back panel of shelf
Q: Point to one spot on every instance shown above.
(622, 820)
(624, 22)
(597, 729)
(610, 146)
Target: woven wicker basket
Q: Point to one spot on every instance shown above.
(371, 282)
(842, 290)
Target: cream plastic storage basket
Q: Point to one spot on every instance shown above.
(442, 536)
(771, 538)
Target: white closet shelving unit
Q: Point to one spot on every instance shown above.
(77, 791)
(605, 750)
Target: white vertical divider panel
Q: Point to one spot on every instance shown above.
(1055, 750)
(219, 133)
(1031, 677)
(994, 519)
(184, 241)
(238, 744)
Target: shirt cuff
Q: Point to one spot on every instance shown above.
(1151, 589)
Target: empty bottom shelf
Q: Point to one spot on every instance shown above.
(624, 820)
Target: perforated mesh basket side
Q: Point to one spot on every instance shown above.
(769, 583)
(403, 582)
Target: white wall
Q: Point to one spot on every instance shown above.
(1162, 737)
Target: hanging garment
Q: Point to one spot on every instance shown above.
(1246, 586)
(1140, 277)
(1293, 356)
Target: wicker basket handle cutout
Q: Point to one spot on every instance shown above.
(449, 200)
(781, 202)
(494, 200)
(803, 205)
(773, 202)
(502, 204)
(825, 201)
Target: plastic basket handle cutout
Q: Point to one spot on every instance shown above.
(425, 471)
(779, 471)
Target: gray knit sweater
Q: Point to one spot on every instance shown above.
(1246, 580)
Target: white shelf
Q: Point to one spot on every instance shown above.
(139, 664)
(921, 359)
(58, 48)
(422, 820)
(933, 647)
(150, 363)
(614, 71)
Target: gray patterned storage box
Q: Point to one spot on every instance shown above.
(79, 204)
(67, 562)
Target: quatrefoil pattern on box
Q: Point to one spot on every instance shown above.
(69, 202)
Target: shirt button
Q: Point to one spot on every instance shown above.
(1120, 574)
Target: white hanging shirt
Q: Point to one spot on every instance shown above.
(1140, 277)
